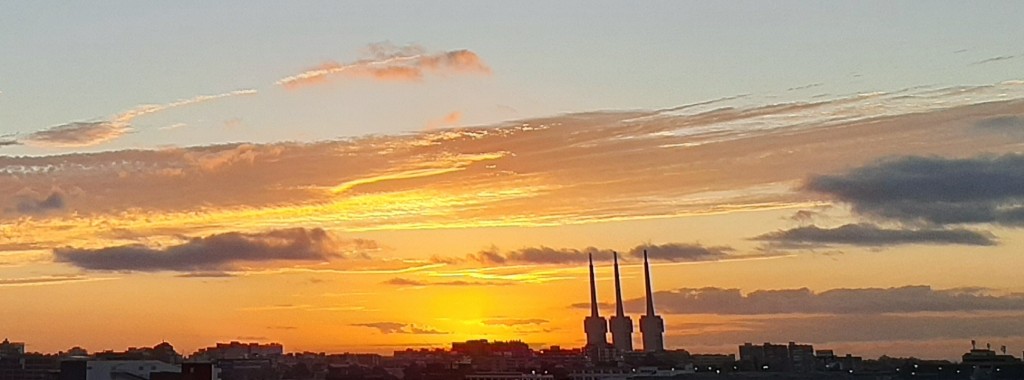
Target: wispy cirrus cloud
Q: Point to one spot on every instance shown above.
(392, 63)
(49, 280)
(566, 169)
(88, 133)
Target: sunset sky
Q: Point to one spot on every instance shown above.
(370, 176)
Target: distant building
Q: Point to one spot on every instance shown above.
(15, 364)
(777, 357)
(509, 376)
(237, 350)
(801, 357)
(12, 348)
(246, 369)
(713, 362)
(114, 369)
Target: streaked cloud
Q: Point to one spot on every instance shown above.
(392, 63)
(870, 235)
(400, 328)
(50, 280)
(88, 133)
(907, 299)
(211, 253)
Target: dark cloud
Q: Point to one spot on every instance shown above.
(55, 201)
(399, 281)
(209, 254)
(907, 299)
(874, 236)
(994, 59)
(673, 252)
(540, 255)
(676, 252)
(514, 322)
(400, 328)
(934, 190)
(4, 143)
(1002, 123)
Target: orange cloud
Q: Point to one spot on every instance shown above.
(448, 120)
(392, 63)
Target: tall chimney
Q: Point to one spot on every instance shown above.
(652, 327)
(621, 325)
(595, 326)
(647, 281)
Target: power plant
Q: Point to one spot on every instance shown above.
(652, 326)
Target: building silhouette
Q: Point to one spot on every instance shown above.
(652, 326)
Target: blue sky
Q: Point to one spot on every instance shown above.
(79, 62)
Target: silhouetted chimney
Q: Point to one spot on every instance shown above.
(595, 326)
(621, 325)
(652, 327)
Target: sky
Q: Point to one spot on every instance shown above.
(370, 176)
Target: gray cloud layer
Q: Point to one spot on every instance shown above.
(906, 299)
(675, 252)
(211, 253)
(852, 328)
(934, 190)
(874, 236)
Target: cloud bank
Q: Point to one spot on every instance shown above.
(873, 236)
(907, 299)
(674, 252)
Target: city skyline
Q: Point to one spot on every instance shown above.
(361, 176)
